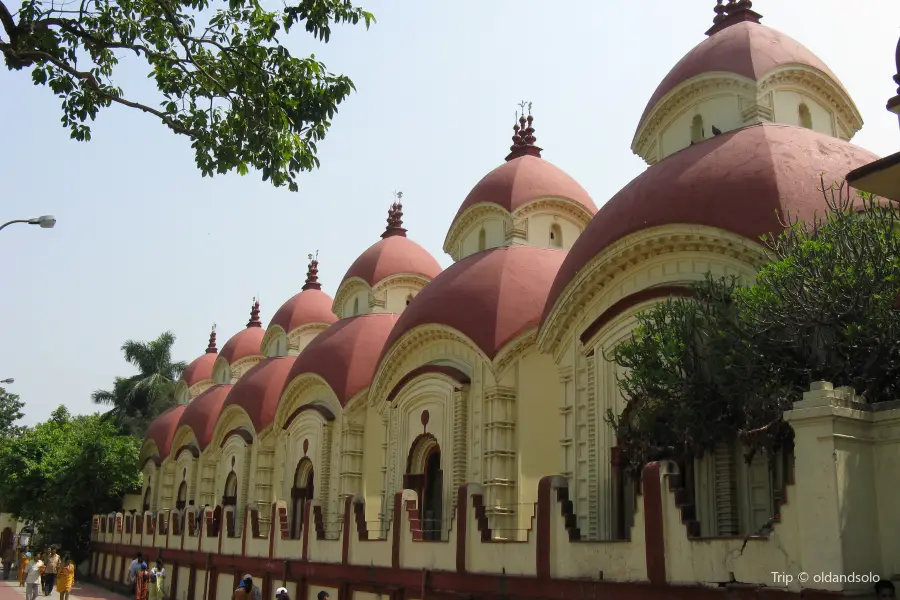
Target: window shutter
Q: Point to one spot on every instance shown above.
(725, 491)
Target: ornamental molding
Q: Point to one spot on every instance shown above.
(809, 81)
(297, 334)
(607, 267)
(231, 418)
(273, 333)
(820, 87)
(465, 222)
(558, 205)
(220, 365)
(149, 449)
(400, 279)
(184, 436)
(397, 362)
(301, 388)
(681, 97)
(240, 367)
(514, 350)
(347, 289)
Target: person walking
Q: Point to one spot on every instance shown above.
(133, 570)
(65, 578)
(247, 590)
(52, 566)
(282, 594)
(24, 559)
(157, 581)
(33, 580)
(142, 583)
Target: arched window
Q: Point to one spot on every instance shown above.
(697, 131)
(482, 240)
(229, 498)
(355, 306)
(301, 494)
(556, 238)
(147, 496)
(805, 116)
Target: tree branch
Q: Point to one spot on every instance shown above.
(91, 82)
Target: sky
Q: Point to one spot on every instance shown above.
(144, 244)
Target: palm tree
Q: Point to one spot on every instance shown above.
(138, 399)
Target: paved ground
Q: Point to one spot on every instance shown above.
(10, 590)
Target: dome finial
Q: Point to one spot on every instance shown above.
(395, 218)
(211, 349)
(312, 274)
(523, 135)
(735, 11)
(254, 315)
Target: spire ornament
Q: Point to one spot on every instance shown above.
(395, 218)
(523, 135)
(211, 348)
(312, 273)
(254, 315)
(731, 13)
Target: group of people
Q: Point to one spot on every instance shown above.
(147, 583)
(250, 591)
(44, 571)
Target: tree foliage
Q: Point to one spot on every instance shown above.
(10, 413)
(728, 360)
(60, 473)
(138, 399)
(224, 78)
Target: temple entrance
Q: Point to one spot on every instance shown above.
(424, 475)
(301, 494)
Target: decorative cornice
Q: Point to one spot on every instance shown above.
(393, 367)
(813, 81)
(680, 97)
(513, 350)
(240, 367)
(272, 333)
(298, 332)
(608, 266)
(826, 91)
(233, 417)
(575, 211)
(465, 222)
(347, 288)
(297, 389)
(400, 279)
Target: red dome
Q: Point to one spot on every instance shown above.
(259, 390)
(519, 181)
(309, 306)
(202, 413)
(743, 181)
(244, 343)
(162, 429)
(748, 49)
(346, 354)
(392, 256)
(491, 297)
(200, 369)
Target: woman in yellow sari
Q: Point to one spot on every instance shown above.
(65, 578)
(24, 559)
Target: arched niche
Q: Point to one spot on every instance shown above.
(302, 493)
(424, 474)
(428, 411)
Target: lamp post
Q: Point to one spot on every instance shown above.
(45, 221)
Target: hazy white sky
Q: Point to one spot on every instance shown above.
(144, 244)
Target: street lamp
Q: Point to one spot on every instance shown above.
(8, 380)
(45, 221)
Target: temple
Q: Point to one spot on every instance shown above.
(442, 433)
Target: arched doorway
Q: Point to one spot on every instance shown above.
(229, 498)
(301, 494)
(147, 496)
(425, 476)
(182, 496)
